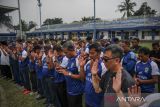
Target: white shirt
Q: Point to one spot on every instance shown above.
(104, 69)
(4, 59)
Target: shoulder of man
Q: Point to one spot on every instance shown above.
(127, 81)
(132, 55)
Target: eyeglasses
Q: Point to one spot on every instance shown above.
(107, 59)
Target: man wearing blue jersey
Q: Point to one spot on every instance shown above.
(23, 67)
(47, 78)
(92, 98)
(129, 58)
(60, 60)
(146, 71)
(31, 65)
(75, 87)
(38, 69)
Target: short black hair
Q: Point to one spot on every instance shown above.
(47, 48)
(4, 43)
(37, 47)
(144, 50)
(58, 48)
(155, 44)
(137, 39)
(95, 46)
(89, 38)
(116, 50)
(115, 40)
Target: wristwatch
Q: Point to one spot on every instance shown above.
(69, 74)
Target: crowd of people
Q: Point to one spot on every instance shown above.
(66, 72)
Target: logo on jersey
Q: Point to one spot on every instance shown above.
(146, 70)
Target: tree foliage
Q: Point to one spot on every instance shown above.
(49, 21)
(127, 8)
(145, 10)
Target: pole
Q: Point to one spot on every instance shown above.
(20, 24)
(94, 35)
(40, 17)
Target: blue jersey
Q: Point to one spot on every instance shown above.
(51, 72)
(23, 64)
(31, 65)
(129, 61)
(93, 99)
(38, 70)
(59, 77)
(87, 48)
(74, 86)
(44, 67)
(144, 72)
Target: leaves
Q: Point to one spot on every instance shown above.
(127, 8)
(26, 26)
(49, 21)
(145, 10)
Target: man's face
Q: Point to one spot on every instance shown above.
(37, 53)
(67, 52)
(135, 43)
(125, 47)
(143, 57)
(93, 54)
(110, 61)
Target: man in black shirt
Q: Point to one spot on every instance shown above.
(155, 56)
(112, 57)
(155, 53)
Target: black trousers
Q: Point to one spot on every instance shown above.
(74, 100)
(61, 94)
(33, 79)
(6, 71)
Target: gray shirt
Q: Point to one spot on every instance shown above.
(106, 86)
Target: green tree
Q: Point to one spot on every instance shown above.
(31, 25)
(145, 10)
(89, 18)
(49, 21)
(25, 26)
(127, 7)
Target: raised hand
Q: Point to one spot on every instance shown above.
(117, 81)
(94, 67)
(135, 92)
(50, 54)
(82, 61)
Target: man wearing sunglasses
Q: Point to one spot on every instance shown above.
(112, 57)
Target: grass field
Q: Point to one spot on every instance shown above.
(11, 96)
(147, 44)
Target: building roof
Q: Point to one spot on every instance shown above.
(128, 24)
(7, 9)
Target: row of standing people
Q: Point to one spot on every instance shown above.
(63, 73)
